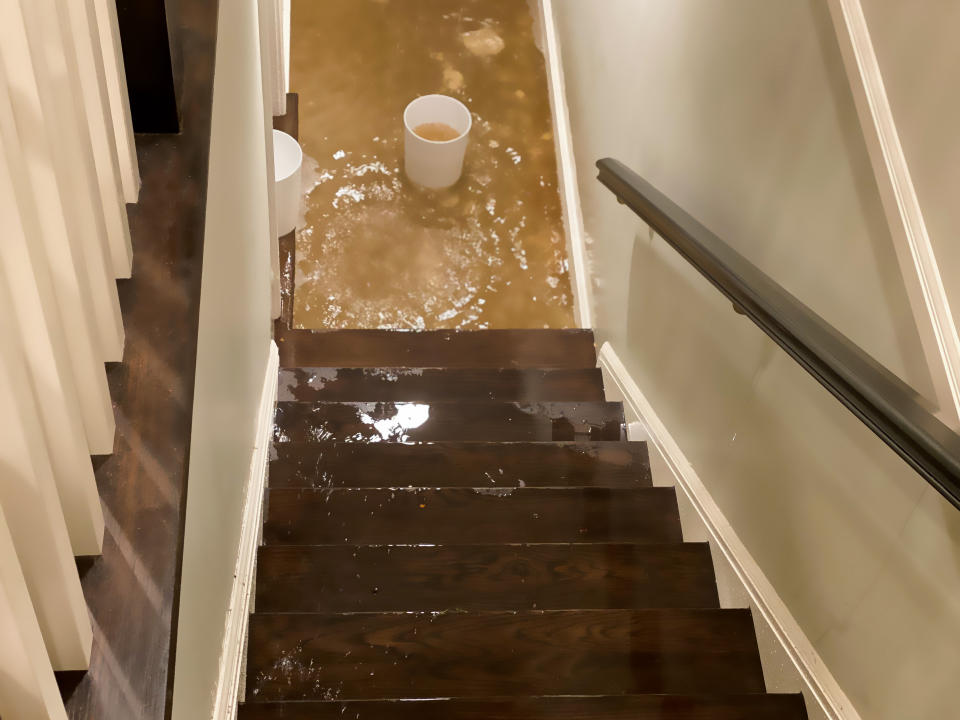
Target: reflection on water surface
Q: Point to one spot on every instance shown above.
(376, 251)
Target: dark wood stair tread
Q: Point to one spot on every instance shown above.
(621, 707)
(417, 422)
(456, 529)
(425, 655)
(454, 464)
(307, 516)
(438, 384)
(437, 348)
(484, 577)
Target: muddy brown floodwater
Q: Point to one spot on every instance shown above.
(375, 250)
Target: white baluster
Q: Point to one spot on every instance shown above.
(28, 497)
(24, 264)
(83, 23)
(54, 63)
(28, 689)
(116, 77)
(23, 125)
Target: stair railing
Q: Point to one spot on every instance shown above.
(68, 167)
(888, 406)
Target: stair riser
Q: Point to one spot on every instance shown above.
(636, 707)
(483, 578)
(613, 465)
(590, 652)
(433, 385)
(425, 422)
(540, 349)
(460, 516)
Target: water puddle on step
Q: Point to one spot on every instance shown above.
(375, 250)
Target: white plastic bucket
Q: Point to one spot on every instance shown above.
(431, 163)
(287, 159)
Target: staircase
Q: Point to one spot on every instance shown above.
(456, 521)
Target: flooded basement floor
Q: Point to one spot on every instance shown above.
(376, 251)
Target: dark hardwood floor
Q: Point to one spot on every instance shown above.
(132, 588)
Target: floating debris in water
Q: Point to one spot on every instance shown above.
(484, 42)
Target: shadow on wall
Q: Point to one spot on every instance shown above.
(865, 553)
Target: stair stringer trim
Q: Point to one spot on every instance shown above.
(790, 661)
(232, 652)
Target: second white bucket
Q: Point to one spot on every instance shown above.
(432, 163)
(287, 159)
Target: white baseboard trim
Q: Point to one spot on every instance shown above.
(579, 269)
(234, 637)
(790, 662)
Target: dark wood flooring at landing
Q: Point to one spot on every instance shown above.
(132, 589)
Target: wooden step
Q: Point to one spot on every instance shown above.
(419, 422)
(453, 464)
(484, 577)
(438, 384)
(621, 707)
(429, 655)
(465, 516)
(437, 348)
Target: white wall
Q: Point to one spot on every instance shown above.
(741, 113)
(233, 347)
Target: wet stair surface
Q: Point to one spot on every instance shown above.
(456, 527)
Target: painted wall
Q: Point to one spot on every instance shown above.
(235, 331)
(919, 57)
(740, 111)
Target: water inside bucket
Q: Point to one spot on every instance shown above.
(436, 132)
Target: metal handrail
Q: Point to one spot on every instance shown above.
(884, 403)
